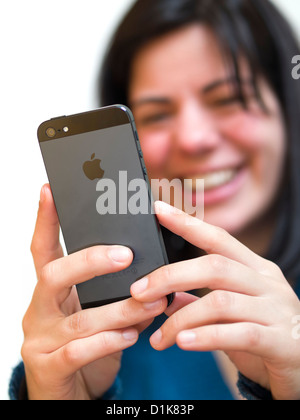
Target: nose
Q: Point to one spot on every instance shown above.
(195, 131)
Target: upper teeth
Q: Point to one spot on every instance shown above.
(212, 180)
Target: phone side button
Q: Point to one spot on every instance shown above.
(58, 118)
(139, 146)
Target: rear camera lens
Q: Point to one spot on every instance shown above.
(50, 132)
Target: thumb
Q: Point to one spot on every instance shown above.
(45, 246)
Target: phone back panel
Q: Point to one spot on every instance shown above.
(72, 161)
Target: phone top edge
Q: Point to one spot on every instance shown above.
(100, 118)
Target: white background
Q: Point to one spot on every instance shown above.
(49, 56)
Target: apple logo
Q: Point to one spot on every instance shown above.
(92, 168)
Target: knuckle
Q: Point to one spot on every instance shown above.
(37, 244)
(216, 337)
(252, 334)
(160, 277)
(26, 324)
(166, 272)
(77, 324)
(93, 255)
(105, 342)
(29, 355)
(89, 256)
(125, 311)
(34, 246)
(219, 235)
(26, 352)
(174, 323)
(96, 259)
(220, 300)
(47, 274)
(70, 354)
(273, 269)
(218, 263)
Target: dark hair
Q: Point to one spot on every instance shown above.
(252, 28)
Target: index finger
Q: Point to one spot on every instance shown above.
(211, 239)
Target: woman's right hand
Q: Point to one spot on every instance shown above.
(69, 353)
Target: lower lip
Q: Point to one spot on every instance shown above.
(224, 192)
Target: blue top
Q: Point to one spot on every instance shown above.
(172, 374)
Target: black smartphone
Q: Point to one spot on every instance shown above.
(101, 191)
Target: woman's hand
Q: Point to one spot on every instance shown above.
(249, 314)
(69, 353)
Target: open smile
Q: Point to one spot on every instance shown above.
(218, 185)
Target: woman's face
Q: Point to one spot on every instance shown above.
(191, 125)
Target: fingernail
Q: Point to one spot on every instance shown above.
(130, 335)
(43, 194)
(186, 337)
(156, 337)
(120, 254)
(149, 306)
(163, 208)
(139, 286)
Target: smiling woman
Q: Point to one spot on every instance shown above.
(202, 129)
(211, 89)
(220, 105)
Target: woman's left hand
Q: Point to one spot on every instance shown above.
(250, 314)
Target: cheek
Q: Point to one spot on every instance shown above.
(245, 131)
(263, 142)
(155, 149)
(257, 136)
